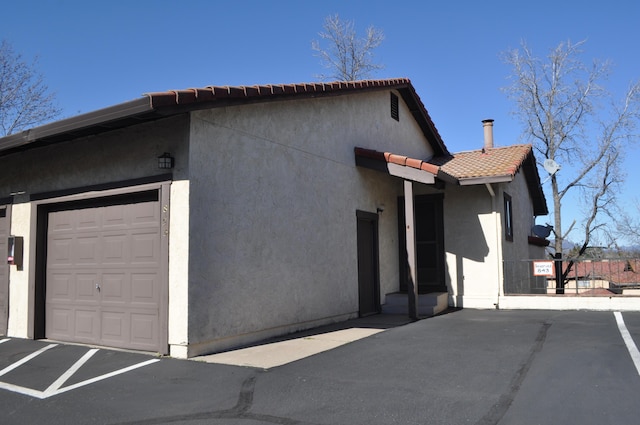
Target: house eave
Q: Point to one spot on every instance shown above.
(102, 120)
(470, 181)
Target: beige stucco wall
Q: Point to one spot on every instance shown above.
(471, 246)
(119, 155)
(474, 240)
(20, 284)
(274, 193)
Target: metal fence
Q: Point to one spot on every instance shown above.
(586, 277)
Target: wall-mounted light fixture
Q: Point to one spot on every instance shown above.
(165, 161)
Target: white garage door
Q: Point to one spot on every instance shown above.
(104, 276)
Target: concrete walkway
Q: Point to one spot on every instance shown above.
(280, 351)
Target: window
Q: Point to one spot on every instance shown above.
(395, 113)
(508, 218)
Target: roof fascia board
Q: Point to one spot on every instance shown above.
(99, 117)
(421, 116)
(484, 180)
(409, 173)
(396, 170)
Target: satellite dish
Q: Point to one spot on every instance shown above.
(542, 231)
(551, 166)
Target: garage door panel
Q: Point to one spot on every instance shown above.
(115, 216)
(59, 251)
(86, 250)
(61, 287)
(103, 276)
(145, 216)
(144, 329)
(60, 223)
(115, 249)
(145, 249)
(114, 327)
(86, 292)
(114, 288)
(87, 219)
(61, 321)
(144, 289)
(86, 325)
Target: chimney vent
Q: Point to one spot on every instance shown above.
(488, 133)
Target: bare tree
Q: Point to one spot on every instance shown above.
(570, 118)
(348, 57)
(628, 226)
(24, 98)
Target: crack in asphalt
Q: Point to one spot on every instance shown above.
(239, 411)
(497, 412)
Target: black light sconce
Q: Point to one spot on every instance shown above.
(165, 161)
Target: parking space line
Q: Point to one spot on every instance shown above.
(73, 369)
(628, 340)
(105, 376)
(4, 340)
(55, 387)
(26, 359)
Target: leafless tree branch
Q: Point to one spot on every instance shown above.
(25, 100)
(559, 100)
(348, 57)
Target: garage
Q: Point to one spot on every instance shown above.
(106, 280)
(4, 271)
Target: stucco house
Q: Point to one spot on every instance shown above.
(193, 221)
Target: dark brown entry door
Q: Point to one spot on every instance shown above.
(429, 228)
(368, 268)
(4, 271)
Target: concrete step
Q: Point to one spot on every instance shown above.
(428, 304)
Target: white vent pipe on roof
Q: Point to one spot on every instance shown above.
(488, 133)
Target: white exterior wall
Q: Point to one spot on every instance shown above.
(274, 193)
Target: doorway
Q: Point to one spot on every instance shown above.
(368, 264)
(429, 232)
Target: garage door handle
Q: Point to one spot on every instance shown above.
(98, 287)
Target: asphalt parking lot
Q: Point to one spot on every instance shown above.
(466, 367)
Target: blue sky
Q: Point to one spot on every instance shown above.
(95, 54)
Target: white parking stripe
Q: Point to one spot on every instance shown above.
(54, 388)
(105, 376)
(73, 369)
(628, 340)
(25, 359)
(4, 340)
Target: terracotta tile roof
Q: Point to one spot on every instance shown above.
(155, 105)
(391, 158)
(468, 168)
(222, 93)
(493, 162)
(618, 272)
